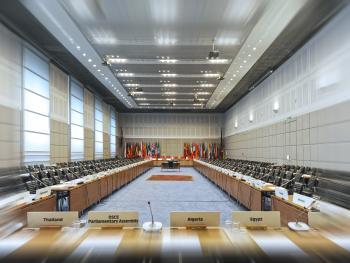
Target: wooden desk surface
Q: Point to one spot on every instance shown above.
(290, 202)
(180, 245)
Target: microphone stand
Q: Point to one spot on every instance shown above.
(150, 209)
(37, 179)
(301, 226)
(291, 180)
(152, 226)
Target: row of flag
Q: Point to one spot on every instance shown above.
(203, 150)
(142, 150)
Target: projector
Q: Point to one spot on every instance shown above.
(213, 54)
(105, 63)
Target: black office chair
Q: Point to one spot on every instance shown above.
(298, 188)
(46, 181)
(289, 175)
(311, 186)
(286, 183)
(277, 181)
(282, 174)
(31, 186)
(298, 177)
(56, 179)
(70, 177)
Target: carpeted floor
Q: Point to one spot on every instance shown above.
(166, 196)
(169, 177)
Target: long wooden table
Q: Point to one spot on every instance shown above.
(249, 196)
(85, 195)
(174, 245)
(183, 163)
(289, 211)
(14, 218)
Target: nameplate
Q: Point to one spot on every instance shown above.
(194, 218)
(113, 219)
(258, 183)
(281, 193)
(54, 219)
(239, 176)
(253, 219)
(302, 200)
(43, 192)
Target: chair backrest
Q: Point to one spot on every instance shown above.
(46, 181)
(297, 177)
(298, 187)
(31, 186)
(56, 179)
(312, 182)
(277, 181)
(289, 175)
(70, 177)
(283, 174)
(276, 172)
(285, 183)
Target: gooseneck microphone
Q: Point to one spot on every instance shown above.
(38, 180)
(150, 209)
(152, 226)
(301, 226)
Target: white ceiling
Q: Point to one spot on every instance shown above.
(158, 49)
(145, 32)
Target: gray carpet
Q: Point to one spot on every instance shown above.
(166, 196)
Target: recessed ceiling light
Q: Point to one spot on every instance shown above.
(169, 75)
(94, 65)
(89, 60)
(78, 47)
(244, 61)
(249, 55)
(254, 48)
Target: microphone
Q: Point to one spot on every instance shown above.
(300, 226)
(266, 175)
(150, 209)
(291, 180)
(152, 226)
(37, 179)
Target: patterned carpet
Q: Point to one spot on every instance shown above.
(167, 177)
(167, 196)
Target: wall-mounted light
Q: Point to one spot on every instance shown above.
(236, 124)
(276, 107)
(251, 117)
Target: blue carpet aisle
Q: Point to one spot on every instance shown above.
(167, 196)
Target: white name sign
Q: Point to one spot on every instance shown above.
(257, 218)
(303, 200)
(43, 192)
(113, 219)
(41, 219)
(281, 193)
(194, 218)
